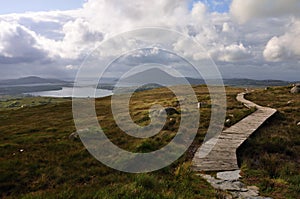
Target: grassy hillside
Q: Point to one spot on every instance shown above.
(38, 160)
(271, 157)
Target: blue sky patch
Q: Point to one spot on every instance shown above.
(221, 6)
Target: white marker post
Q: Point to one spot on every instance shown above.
(199, 105)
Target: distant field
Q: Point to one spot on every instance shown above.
(38, 160)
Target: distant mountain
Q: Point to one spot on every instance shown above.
(154, 75)
(152, 78)
(31, 80)
(158, 76)
(255, 83)
(31, 84)
(107, 80)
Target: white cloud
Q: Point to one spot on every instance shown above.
(244, 10)
(198, 12)
(284, 47)
(184, 47)
(47, 24)
(80, 32)
(65, 38)
(79, 39)
(71, 67)
(231, 53)
(275, 50)
(226, 27)
(115, 16)
(19, 44)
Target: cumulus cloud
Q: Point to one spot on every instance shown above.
(231, 53)
(117, 16)
(184, 47)
(63, 35)
(80, 32)
(60, 40)
(19, 44)
(198, 12)
(46, 24)
(79, 39)
(244, 10)
(284, 47)
(73, 34)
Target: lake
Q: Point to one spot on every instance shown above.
(68, 92)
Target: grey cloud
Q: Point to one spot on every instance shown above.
(18, 45)
(245, 10)
(49, 41)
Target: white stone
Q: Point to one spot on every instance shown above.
(229, 175)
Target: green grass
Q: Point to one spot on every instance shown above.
(38, 160)
(14, 103)
(271, 157)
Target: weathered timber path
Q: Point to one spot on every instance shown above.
(223, 157)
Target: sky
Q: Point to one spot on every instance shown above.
(221, 6)
(19, 6)
(257, 39)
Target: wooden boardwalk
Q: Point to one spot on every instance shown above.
(222, 156)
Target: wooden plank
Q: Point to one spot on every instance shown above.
(222, 156)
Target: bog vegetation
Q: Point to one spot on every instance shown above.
(270, 158)
(38, 160)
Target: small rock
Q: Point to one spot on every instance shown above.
(229, 182)
(298, 124)
(176, 104)
(21, 150)
(244, 190)
(253, 188)
(229, 186)
(229, 175)
(290, 102)
(254, 197)
(74, 136)
(169, 111)
(296, 89)
(238, 184)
